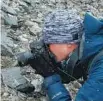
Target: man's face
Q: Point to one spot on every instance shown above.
(61, 51)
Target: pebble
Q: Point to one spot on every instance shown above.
(35, 29)
(29, 23)
(5, 94)
(27, 1)
(76, 84)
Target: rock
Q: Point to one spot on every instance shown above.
(53, 1)
(12, 77)
(36, 1)
(24, 5)
(8, 9)
(5, 94)
(27, 1)
(35, 29)
(40, 16)
(37, 83)
(76, 84)
(10, 20)
(6, 44)
(29, 23)
(7, 62)
(35, 79)
(6, 51)
(44, 99)
(22, 38)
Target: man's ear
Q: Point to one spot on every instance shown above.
(72, 46)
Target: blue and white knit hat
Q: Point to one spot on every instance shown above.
(62, 26)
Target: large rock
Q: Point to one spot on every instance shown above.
(6, 44)
(8, 9)
(5, 50)
(12, 77)
(10, 20)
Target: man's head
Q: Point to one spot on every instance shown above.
(61, 51)
(62, 30)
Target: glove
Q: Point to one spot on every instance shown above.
(41, 65)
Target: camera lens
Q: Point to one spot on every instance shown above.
(24, 57)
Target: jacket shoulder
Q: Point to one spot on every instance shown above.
(92, 24)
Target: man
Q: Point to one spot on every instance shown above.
(65, 55)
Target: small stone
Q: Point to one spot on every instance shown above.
(35, 29)
(29, 23)
(23, 38)
(24, 5)
(27, 1)
(44, 99)
(5, 94)
(36, 1)
(53, 1)
(76, 84)
(40, 15)
(37, 83)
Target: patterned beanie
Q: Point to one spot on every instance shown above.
(62, 26)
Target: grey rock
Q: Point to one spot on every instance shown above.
(29, 23)
(10, 20)
(8, 9)
(76, 85)
(25, 6)
(35, 79)
(6, 51)
(35, 29)
(12, 77)
(37, 83)
(6, 94)
(27, 1)
(6, 44)
(36, 1)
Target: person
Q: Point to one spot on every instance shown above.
(71, 48)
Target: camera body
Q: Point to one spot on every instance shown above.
(36, 49)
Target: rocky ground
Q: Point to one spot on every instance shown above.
(21, 22)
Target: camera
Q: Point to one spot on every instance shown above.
(36, 49)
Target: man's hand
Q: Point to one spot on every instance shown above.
(41, 65)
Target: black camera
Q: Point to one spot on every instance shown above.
(36, 48)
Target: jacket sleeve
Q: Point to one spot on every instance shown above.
(55, 89)
(92, 90)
